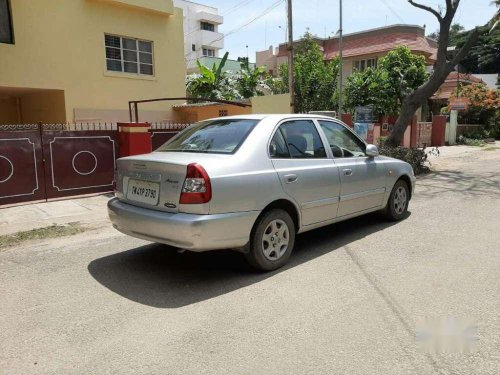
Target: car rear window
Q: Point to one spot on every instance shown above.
(222, 136)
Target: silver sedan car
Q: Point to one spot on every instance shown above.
(251, 183)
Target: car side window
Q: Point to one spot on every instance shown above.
(302, 139)
(277, 147)
(343, 143)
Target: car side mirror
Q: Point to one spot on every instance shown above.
(371, 151)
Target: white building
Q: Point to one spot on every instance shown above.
(201, 31)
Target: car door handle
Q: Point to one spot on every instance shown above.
(289, 178)
(347, 172)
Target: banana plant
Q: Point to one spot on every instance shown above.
(212, 83)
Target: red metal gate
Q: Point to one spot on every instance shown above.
(39, 162)
(21, 165)
(162, 132)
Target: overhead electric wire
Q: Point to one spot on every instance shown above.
(225, 13)
(260, 15)
(393, 11)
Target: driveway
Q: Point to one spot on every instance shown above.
(348, 303)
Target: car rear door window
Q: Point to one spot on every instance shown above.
(302, 139)
(278, 147)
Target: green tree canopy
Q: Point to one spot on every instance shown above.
(315, 79)
(484, 57)
(397, 74)
(370, 88)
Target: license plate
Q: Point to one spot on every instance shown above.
(143, 191)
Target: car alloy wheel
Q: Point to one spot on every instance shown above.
(400, 199)
(275, 239)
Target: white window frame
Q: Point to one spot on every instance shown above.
(208, 54)
(137, 51)
(203, 23)
(361, 65)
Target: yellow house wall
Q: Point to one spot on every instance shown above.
(271, 104)
(59, 44)
(157, 6)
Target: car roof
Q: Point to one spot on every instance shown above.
(276, 117)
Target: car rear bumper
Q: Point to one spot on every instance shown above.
(186, 231)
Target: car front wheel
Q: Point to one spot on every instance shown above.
(397, 205)
(272, 240)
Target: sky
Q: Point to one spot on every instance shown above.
(321, 17)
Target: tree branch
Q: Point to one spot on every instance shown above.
(427, 8)
(466, 47)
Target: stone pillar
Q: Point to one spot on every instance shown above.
(452, 135)
(134, 138)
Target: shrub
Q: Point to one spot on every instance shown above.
(416, 157)
(464, 140)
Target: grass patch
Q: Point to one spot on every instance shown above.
(491, 148)
(52, 231)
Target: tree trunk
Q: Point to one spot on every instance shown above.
(442, 68)
(414, 101)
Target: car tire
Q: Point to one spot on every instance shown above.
(397, 205)
(271, 241)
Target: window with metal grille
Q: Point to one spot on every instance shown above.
(207, 26)
(208, 52)
(129, 55)
(360, 65)
(6, 31)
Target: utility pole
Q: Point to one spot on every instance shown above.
(340, 63)
(290, 58)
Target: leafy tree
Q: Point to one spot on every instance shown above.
(315, 80)
(484, 57)
(370, 87)
(442, 67)
(405, 72)
(251, 82)
(278, 85)
(385, 87)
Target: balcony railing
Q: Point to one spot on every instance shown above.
(211, 39)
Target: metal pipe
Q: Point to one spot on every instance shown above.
(291, 87)
(340, 63)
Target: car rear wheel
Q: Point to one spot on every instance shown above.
(397, 205)
(271, 241)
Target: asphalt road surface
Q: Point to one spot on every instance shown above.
(349, 302)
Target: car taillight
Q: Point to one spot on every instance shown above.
(197, 188)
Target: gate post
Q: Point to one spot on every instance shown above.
(438, 130)
(414, 132)
(346, 118)
(134, 138)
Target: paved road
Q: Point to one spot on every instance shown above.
(348, 303)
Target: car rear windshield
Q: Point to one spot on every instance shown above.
(213, 136)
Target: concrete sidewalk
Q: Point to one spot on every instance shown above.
(89, 211)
